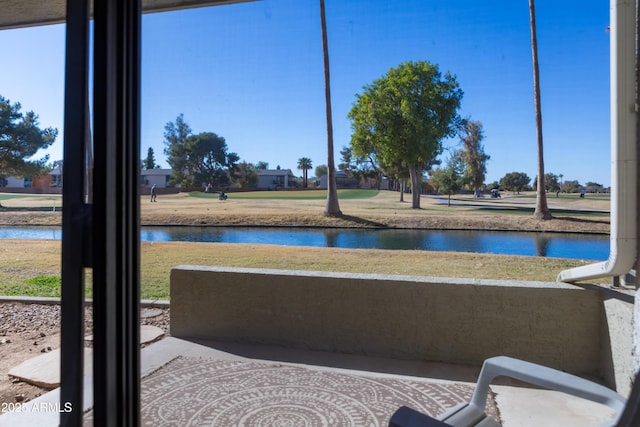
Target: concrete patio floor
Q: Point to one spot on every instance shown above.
(518, 406)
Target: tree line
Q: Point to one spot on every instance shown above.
(205, 158)
(520, 181)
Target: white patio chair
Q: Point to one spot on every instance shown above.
(473, 414)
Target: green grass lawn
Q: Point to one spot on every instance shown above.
(345, 194)
(564, 197)
(32, 267)
(525, 206)
(7, 196)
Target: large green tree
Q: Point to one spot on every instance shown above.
(247, 175)
(570, 186)
(473, 155)
(175, 140)
(551, 181)
(210, 160)
(150, 160)
(20, 139)
(515, 181)
(405, 116)
(197, 159)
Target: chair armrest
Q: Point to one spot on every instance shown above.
(544, 377)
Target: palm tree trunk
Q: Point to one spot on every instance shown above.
(542, 210)
(332, 207)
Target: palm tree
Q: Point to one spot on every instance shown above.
(332, 207)
(542, 210)
(473, 154)
(304, 164)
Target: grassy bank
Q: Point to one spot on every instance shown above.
(360, 208)
(343, 194)
(29, 267)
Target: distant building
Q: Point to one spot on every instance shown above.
(159, 177)
(14, 182)
(56, 176)
(42, 182)
(272, 179)
(342, 181)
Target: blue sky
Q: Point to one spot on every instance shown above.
(253, 73)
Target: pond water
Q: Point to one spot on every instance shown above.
(560, 245)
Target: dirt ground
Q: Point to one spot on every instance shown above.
(29, 330)
(25, 332)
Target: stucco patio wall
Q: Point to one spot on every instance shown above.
(406, 317)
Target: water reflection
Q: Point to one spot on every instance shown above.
(404, 239)
(542, 242)
(561, 245)
(44, 233)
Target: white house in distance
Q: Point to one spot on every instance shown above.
(52, 179)
(268, 179)
(342, 181)
(14, 182)
(159, 177)
(272, 179)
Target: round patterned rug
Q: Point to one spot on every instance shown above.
(204, 392)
